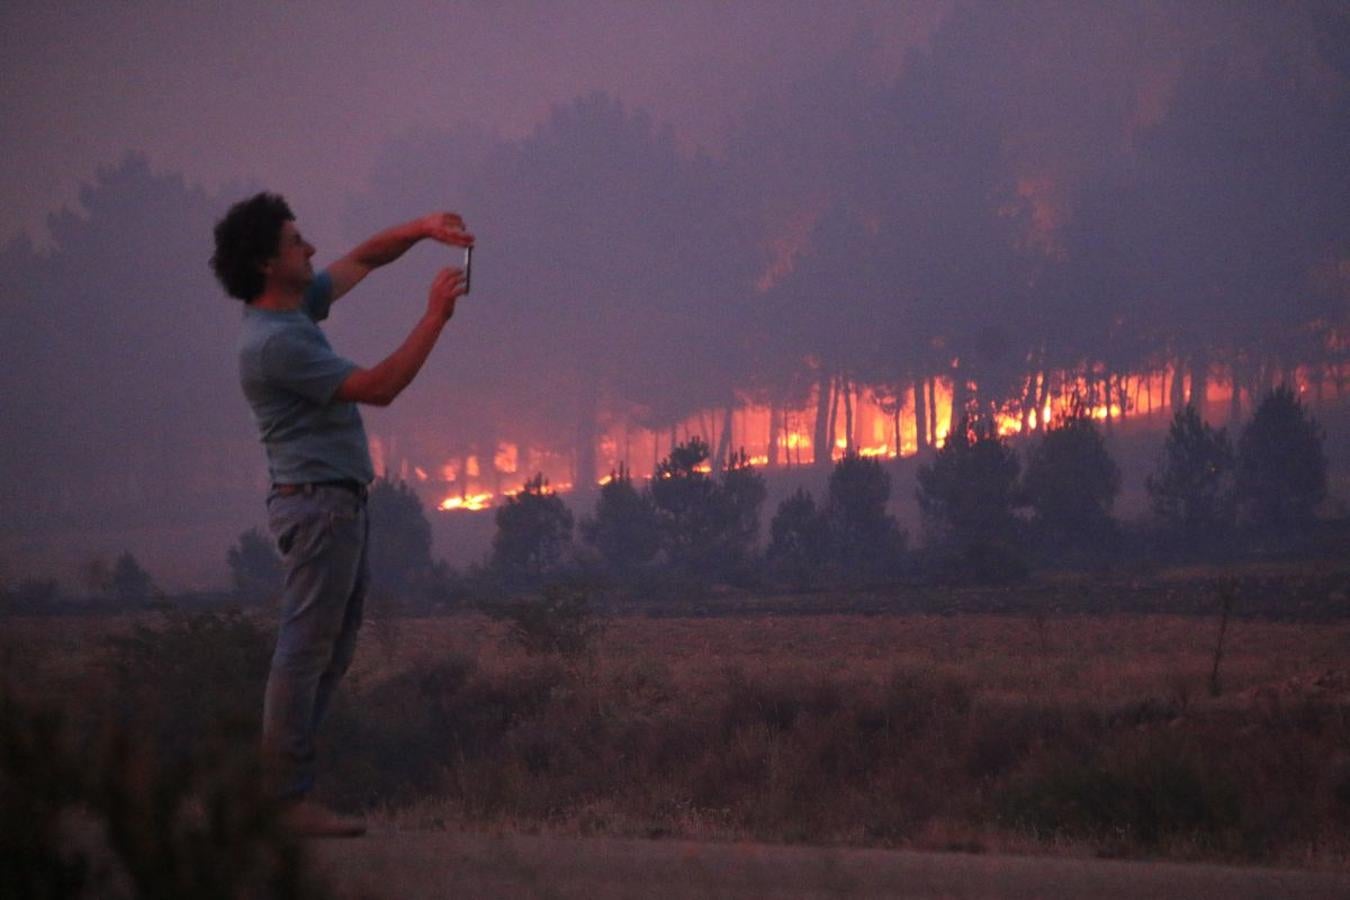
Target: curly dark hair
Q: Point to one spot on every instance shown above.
(246, 238)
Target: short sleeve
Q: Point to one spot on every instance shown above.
(318, 296)
(293, 361)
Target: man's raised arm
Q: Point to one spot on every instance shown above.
(380, 385)
(392, 243)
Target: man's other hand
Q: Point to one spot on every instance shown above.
(447, 228)
(447, 287)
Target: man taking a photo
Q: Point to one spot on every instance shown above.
(304, 400)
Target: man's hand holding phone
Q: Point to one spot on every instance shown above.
(448, 286)
(447, 228)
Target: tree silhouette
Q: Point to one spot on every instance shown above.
(255, 569)
(1281, 467)
(400, 539)
(624, 529)
(967, 495)
(799, 540)
(741, 493)
(1191, 489)
(708, 526)
(533, 530)
(131, 584)
(1071, 482)
(863, 537)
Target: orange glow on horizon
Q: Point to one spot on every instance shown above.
(881, 428)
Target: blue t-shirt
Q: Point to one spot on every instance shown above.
(289, 374)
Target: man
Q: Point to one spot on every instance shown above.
(304, 398)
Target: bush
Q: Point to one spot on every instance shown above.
(534, 528)
(191, 678)
(400, 542)
(255, 569)
(799, 544)
(863, 538)
(624, 529)
(967, 496)
(1139, 793)
(1071, 483)
(561, 621)
(1191, 489)
(708, 526)
(198, 828)
(1281, 467)
(131, 585)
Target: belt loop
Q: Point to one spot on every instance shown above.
(308, 488)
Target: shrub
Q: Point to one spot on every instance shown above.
(1191, 489)
(255, 568)
(400, 542)
(967, 496)
(131, 585)
(624, 529)
(1145, 792)
(708, 526)
(799, 543)
(1281, 467)
(561, 621)
(1071, 483)
(200, 827)
(534, 528)
(863, 537)
(191, 677)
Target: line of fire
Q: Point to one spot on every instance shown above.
(841, 416)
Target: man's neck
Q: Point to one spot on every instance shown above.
(277, 300)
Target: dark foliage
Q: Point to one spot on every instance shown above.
(1191, 490)
(255, 568)
(799, 543)
(624, 529)
(561, 620)
(131, 585)
(967, 495)
(1139, 792)
(188, 678)
(708, 525)
(534, 529)
(864, 538)
(400, 542)
(1071, 483)
(199, 827)
(1281, 466)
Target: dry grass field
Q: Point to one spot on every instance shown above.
(1061, 734)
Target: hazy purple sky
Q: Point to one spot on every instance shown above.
(299, 96)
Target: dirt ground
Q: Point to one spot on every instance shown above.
(412, 865)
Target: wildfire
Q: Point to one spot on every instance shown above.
(857, 422)
(471, 502)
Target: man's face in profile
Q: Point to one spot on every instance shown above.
(291, 267)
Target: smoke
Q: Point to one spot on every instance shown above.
(968, 198)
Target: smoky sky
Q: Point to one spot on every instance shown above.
(680, 208)
(301, 96)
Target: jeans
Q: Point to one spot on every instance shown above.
(321, 534)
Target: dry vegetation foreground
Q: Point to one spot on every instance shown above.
(1070, 735)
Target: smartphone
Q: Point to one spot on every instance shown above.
(468, 266)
